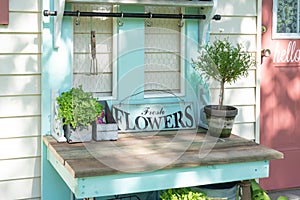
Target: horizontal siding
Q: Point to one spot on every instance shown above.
(22, 6)
(20, 64)
(16, 106)
(15, 148)
(245, 114)
(19, 168)
(27, 126)
(244, 82)
(16, 23)
(235, 24)
(239, 25)
(19, 43)
(20, 85)
(244, 130)
(235, 96)
(20, 96)
(21, 189)
(248, 41)
(237, 8)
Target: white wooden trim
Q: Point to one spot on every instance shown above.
(115, 57)
(181, 3)
(59, 6)
(258, 70)
(182, 58)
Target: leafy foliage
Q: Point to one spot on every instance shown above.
(223, 62)
(77, 107)
(257, 193)
(182, 194)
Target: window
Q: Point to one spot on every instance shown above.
(164, 63)
(100, 82)
(286, 19)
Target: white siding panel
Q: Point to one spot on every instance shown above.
(20, 85)
(239, 25)
(243, 82)
(237, 7)
(28, 5)
(235, 96)
(20, 147)
(19, 43)
(20, 64)
(20, 89)
(249, 81)
(245, 114)
(20, 106)
(248, 41)
(19, 22)
(244, 25)
(21, 189)
(20, 127)
(245, 130)
(19, 168)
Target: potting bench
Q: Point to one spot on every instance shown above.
(148, 161)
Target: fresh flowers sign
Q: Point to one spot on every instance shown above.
(154, 117)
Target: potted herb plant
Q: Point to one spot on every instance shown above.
(224, 63)
(78, 109)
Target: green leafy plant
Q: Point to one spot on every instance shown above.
(224, 63)
(77, 107)
(257, 193)
(183, 194)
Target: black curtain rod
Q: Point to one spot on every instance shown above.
(129, 15)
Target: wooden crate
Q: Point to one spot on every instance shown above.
(107, 131)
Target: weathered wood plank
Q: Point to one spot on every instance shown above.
(166, 150)
(130, 162)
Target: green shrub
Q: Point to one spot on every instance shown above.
(77, 107)
(182, 194)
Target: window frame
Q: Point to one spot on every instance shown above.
(114, 61)
(275, 34)
(182, 67)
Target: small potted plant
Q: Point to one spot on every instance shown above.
(224, 63)
(77, 110)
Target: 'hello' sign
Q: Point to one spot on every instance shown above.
(153, 117)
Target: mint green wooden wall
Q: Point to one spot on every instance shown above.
(57, 74)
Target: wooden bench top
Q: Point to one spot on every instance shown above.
(142, 152)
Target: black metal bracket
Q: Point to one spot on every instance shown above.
(129, 15)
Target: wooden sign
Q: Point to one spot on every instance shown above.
(154, 117)
(4, 12)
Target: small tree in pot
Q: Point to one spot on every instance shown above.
(224, 63)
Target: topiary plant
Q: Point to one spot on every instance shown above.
(78, 108)
(223, 62)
